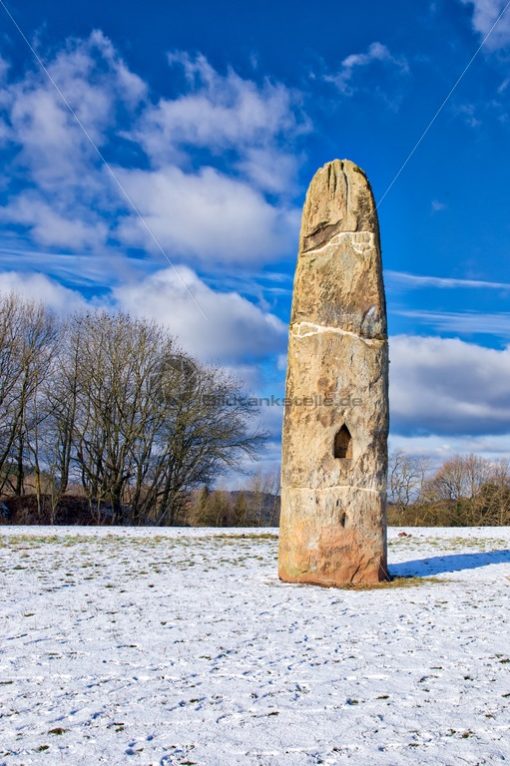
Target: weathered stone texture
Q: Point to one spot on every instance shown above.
(333, 529)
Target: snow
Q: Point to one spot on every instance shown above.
(180, 646)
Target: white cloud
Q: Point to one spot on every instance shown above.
(438, 206)
(49, 227)
(217, 112)
(96, 82)
(206, 215)
(205, 212)
(66, 190)
(214, 326)
(376, 53)
(269, 169)
(447, 386)
(441, 448)
(42, 289)
(485, 14)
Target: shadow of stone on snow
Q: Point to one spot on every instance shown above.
(455, 562)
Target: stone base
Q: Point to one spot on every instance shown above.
(322, 542)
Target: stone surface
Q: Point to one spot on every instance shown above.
(333, 526)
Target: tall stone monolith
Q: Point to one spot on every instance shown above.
(334, 462)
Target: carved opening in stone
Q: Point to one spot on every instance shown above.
(342, 447)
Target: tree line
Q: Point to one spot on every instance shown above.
(464, 491)
(110, 407)
(256, 505)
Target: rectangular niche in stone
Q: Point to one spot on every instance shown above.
(334, 461)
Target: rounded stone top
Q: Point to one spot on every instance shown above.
(339, 199)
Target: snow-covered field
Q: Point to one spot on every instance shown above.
(182, 647)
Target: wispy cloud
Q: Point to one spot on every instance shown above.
(95, 270)
(406, 279)
(353, 65)
(463, 322)
(469, 114)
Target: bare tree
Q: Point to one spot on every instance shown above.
(448, 483)
(406, 476)
(491, 503)
(263, 493)
(206, 429)
(149, 423)
(27, 345)
(459, 477)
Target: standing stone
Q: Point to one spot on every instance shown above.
(334, 463)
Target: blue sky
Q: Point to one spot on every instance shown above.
(212, 119)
